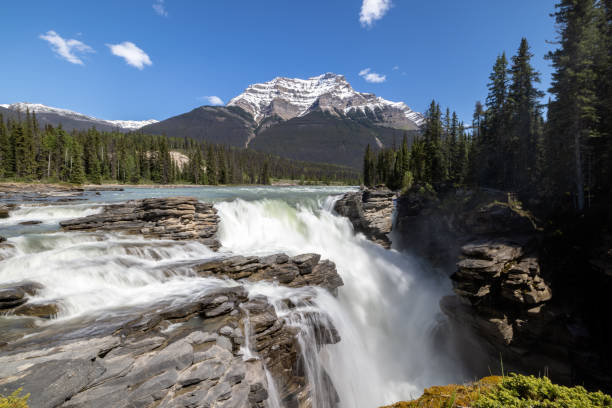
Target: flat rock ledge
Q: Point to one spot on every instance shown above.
(187, 352)
(176, 218)
(371, 213)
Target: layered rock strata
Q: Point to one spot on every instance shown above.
(371, 213)
(188, 352)
(176, 218)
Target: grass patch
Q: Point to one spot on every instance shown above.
(513, 391)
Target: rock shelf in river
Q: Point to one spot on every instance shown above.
(177, 218)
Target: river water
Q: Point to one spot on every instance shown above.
(386, 314)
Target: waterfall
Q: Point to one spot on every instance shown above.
(385, 314)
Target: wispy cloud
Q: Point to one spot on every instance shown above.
(69, 49)
(213, 100)
(395, 68)
(160, 8)
(372, 10)
(132, 55)
(372, 77)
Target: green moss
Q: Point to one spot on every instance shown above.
(513, 391)
(519, 391)
(14, 400)
(451, 396)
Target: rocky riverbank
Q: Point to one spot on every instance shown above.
(189, 353)
(221, 347)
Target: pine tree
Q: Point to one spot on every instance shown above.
(368, 168)
(77, 175)
(573, 114)
(211, 166)
(494, 143)
(524, 111)
(5, 148)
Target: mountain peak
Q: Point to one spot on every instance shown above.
(40, 109)
(288, 98)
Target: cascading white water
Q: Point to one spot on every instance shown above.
(384, 313)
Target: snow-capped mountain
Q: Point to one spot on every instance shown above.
(288, 98)
(70, 119)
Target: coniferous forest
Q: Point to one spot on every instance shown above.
(556, 152)
(29, 153)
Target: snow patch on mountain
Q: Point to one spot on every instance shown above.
(295, 97)
(43, 109)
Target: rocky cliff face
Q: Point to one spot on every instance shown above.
(507, 292)
(371, 213)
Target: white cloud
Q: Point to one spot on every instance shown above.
(159, 8)
(67, 49)
(213, 100)
(133, 55)
(372, 77)
(372, 10)
(395, 68)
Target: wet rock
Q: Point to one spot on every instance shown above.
(177, 218)
(306, 262)
(370, 211)
(2, 239)
(4, 212)
(14, 295)
(299, 271)
(41, 310)
(33, 222)
(120, 362)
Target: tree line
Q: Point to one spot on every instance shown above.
(565, 159)
(29, 152)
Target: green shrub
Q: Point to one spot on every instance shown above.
(14, 400)
(519, 391)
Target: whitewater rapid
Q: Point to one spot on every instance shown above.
(386, 313)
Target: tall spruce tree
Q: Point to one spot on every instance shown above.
(494, 136)
(524, 127)
(572, 115)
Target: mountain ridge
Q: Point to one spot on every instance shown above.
(53, 115)
(295, 97)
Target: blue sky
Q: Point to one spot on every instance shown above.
(182, 51)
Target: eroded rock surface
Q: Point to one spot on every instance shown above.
(178, 352)
(298, 271)
(371, 212)
(177, 218)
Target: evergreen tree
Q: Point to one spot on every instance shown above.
(573, 113)
(524, 108)
(368, 168)
(494, 135)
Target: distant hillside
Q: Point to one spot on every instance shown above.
(69, 120)
(215, 124)
(323, 137)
